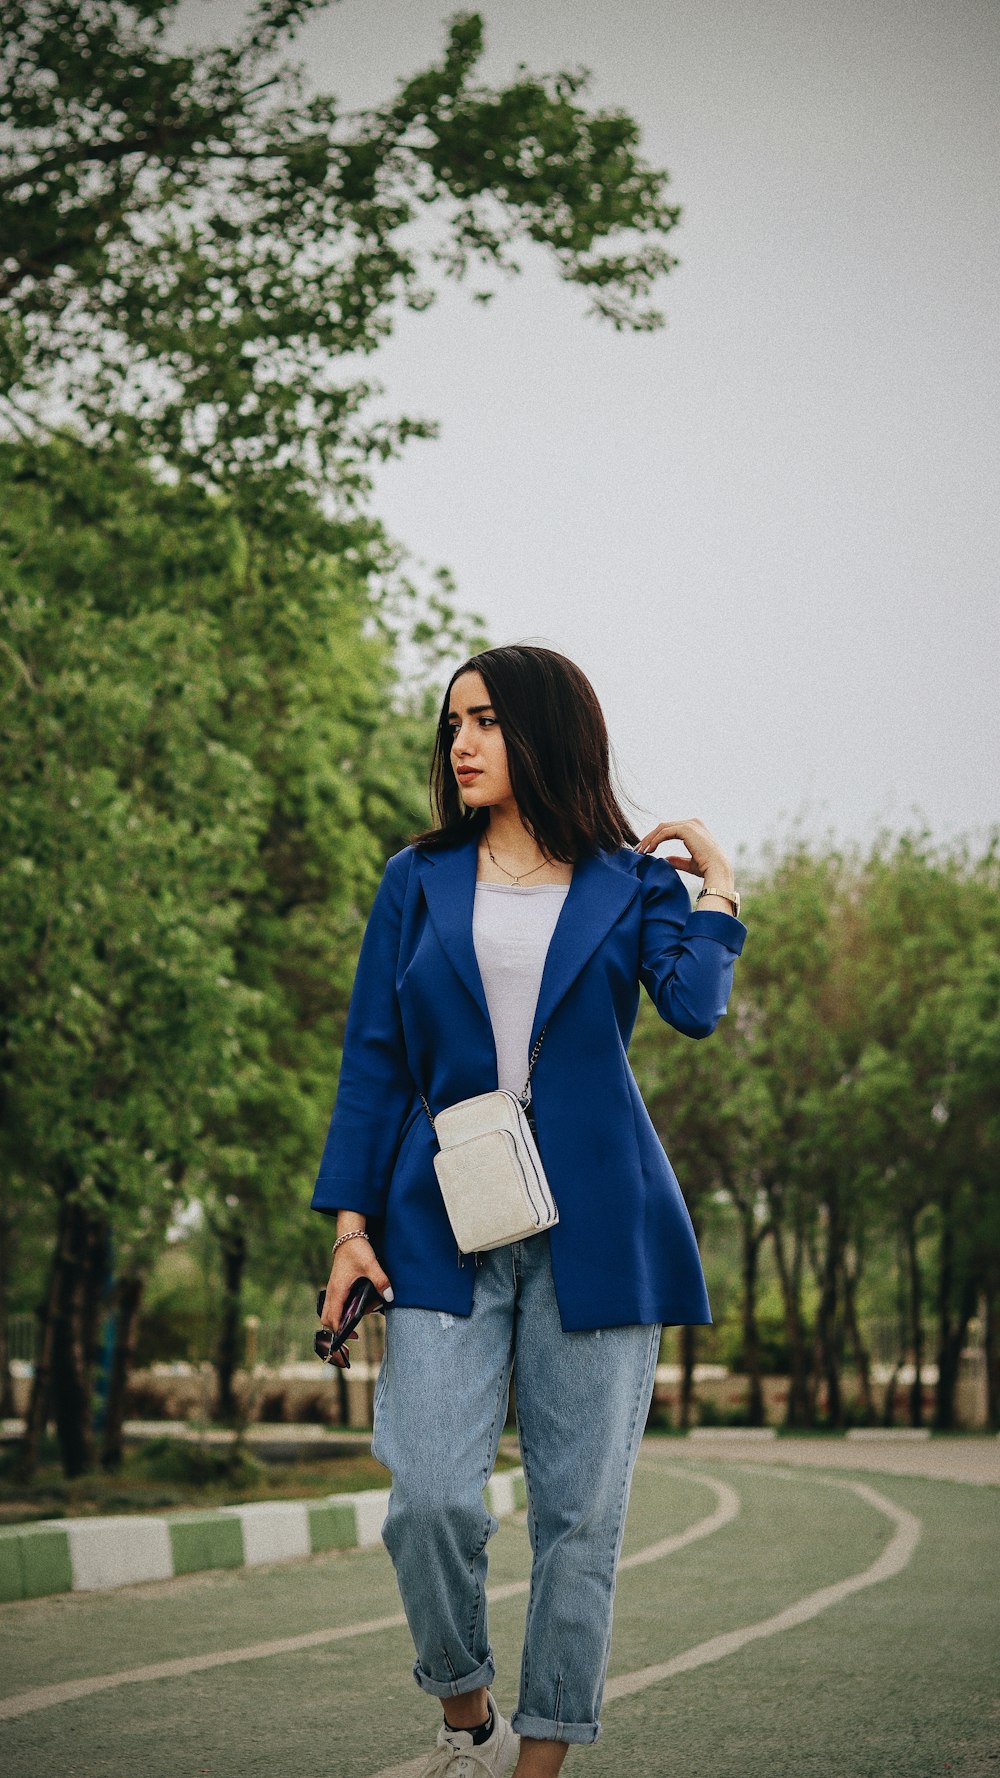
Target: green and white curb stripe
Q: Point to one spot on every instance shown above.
(83, 1555)
(34, 1559)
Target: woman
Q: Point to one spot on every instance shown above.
(524, 911)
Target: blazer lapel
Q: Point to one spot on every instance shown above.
(449, 882)
(598, 896)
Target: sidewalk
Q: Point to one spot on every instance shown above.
(973, 1458)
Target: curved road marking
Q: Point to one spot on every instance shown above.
(726, 1511)
(897, 1554)
(43, 1697)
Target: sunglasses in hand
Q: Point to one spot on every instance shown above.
(330, 1345)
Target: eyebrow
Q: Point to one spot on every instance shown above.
(473, 710)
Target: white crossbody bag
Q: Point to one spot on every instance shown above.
(489, 1168)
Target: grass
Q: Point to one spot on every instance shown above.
(170, 1474)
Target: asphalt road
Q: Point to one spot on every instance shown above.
(776, 1614)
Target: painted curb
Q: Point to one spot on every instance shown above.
(86, 1555)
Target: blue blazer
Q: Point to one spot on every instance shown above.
(623, 1250)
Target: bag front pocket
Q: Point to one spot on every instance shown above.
(485, 1193)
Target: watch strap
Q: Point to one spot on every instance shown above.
(732, 896)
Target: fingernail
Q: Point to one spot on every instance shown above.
(387, 1296)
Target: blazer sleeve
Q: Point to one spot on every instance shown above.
(375, 1088)
(688, 954)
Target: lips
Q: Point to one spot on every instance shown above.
(465, 775)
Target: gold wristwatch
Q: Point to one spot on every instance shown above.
(724, 895)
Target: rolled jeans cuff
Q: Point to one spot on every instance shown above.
(542, 1728)
(454, 1688)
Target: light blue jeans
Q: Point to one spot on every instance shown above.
(440, 1405)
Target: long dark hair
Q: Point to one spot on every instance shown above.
(558, 756)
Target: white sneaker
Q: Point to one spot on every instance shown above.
(456, 1756)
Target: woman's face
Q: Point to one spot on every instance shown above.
(478, 753)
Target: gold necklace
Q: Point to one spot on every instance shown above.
(509, 873)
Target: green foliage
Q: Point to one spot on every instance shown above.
(206, 759)
(179, 1317)
(128, 832)
(713, 1413)
(846, 1112)
(774, 1354)
(190, 243)
(173, 1473)
(190, 1464)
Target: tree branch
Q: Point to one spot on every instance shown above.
(148, 141)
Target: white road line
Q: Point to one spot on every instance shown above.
(897, 1554)
(726, 1511)
(24, 1703)
(43, 1697)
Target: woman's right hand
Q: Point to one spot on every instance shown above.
(352, 1260)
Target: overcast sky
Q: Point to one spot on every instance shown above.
(769, 532)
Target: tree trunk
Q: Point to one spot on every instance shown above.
(789, 1278)
(6, 1244)
(128, 1298)
(862, 1356)
(234, 1256)
(76, 1326)
(889, 1399)
(688, 1343)
(956, 1305)
(949, 1358)
(991, 1356)
(62, 1379)
(751, 1237)
(41, 1382)
(916, 1323)
(902, 1329)
(826, 1316)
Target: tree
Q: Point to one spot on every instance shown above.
(847, 1106)
(189, 245)
(694, 1095)
(786, 987)
(188, 248)
(974, 1057)
(204, 760)
(927, 908)
(123, 836)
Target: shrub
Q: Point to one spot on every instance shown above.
(191, 1464)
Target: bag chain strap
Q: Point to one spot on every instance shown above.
(524, 1096)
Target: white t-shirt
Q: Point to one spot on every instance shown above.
(512, 925)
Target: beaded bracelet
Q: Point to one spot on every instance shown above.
(352, 1235)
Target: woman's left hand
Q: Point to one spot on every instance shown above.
(707, 859)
